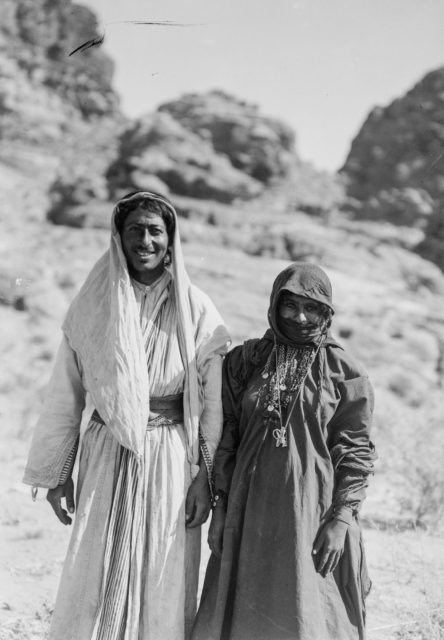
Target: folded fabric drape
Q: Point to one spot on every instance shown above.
(102, 326)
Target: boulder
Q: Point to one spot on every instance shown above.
(408, 206)
(262, 147)
(432, 246)
(158, 145)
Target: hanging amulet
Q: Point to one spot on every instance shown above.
(265, 375)
(283, 387)
(281, 437)
(270, 407)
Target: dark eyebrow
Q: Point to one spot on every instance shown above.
(142, 225)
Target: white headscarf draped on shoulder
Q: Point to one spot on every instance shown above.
(103, 327)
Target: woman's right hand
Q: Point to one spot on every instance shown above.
(54, 497)
(216, 531)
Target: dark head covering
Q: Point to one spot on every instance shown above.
(303, 279)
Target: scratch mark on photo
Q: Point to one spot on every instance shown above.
(161, 23)
(97, 41)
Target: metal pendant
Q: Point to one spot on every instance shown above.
(270, 407)
(280, 436)
(283, 387)
(265, 375)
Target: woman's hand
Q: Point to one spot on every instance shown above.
(198, 502)
(216, 531)
(329, 545)
(54, 497)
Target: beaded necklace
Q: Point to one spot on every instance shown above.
(285, 372)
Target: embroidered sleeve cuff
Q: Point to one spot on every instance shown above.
(69, 464)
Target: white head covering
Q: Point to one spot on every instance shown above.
(102, 326)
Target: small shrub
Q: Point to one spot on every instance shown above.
(35, 628)
(404, 385)
(270, 244)
(284, 245)
(66, 281)
(421, 473)
(428, 626)
(345, 332)
(301, 250)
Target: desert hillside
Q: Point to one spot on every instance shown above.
(248, 205)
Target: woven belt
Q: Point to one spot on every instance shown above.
(164, 411)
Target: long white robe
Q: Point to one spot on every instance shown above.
(165, 560)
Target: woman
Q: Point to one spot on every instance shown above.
(290, 473)
(147, 347)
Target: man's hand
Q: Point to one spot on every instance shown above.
(198, 502)
(54, 497)
(329, 546)
(216, 531)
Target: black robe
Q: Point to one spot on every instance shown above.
(266, 587)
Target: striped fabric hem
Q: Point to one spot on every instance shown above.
(114, 614)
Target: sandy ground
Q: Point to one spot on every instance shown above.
(407, 567)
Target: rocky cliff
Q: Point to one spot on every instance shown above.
(206, 146)
(395, 168)
(39, 80)
(179, 159)
(59, 114)
(401, 146)
(60, 118)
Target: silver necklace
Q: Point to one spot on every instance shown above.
(280, 434)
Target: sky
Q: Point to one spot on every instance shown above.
(319, 65)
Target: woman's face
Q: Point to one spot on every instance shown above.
(300, 310)
(145, 244)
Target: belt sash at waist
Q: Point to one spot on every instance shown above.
(164, 411)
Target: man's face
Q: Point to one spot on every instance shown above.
(145, 243)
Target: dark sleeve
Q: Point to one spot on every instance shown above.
(351, 449)
(233, 386)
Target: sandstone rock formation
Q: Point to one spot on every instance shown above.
(59, 114)
(158, 145)
(432, 246)
(395, 168)
(260, 146)
(401, 146)
(36, 37)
